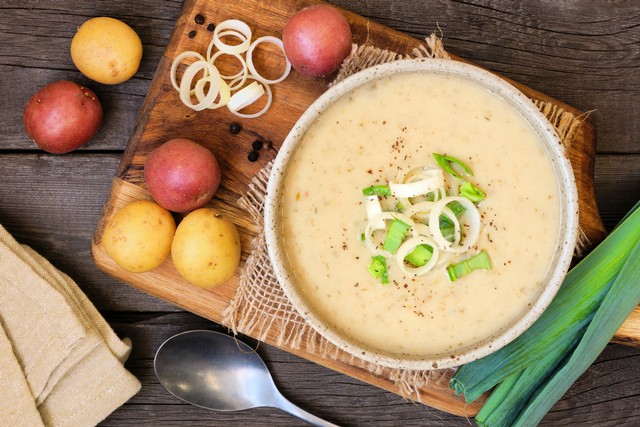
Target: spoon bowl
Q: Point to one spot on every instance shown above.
(219, 372)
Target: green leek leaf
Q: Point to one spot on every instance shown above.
(420, 255)
(472, 192)
(395, 236)
(480, 261)
(378, 268)
(620, 301)
(377, 190)
(447, 163)
(456, 208)
(570, 312)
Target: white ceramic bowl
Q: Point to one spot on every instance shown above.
(553, 147)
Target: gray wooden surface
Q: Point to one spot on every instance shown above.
(586, 53)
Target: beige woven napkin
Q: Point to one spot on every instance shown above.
(60, 362)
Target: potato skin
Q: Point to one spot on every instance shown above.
(62, 116)
(106, 50)
(316, 40)
(206, 248)
(138, 237)
(182, 175)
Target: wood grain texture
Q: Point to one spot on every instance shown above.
(347, 401)
(582, 52)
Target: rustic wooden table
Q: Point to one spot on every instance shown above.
(585, 53)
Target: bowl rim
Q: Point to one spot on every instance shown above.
(564, 174)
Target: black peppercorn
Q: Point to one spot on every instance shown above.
(192, 34)
(234, 128)
(253, 156)
(257, 145)
(211, 27)
(199, 19)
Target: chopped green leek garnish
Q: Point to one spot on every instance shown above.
(476, 262)
(396, 234)
(399, 207)
(378, 268)
(445, 222)
(362, 237)
(377, 190)
(449, 233)
(472, 192)
(447, 162)
(420, 255)
(447, 228)
(456, 208)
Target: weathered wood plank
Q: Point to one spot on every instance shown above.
(35, 51)
(583, 55)
(609, 387)
(617, 184)
(53, 203)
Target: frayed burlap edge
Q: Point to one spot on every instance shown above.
(566, 125)
(260, 307)
(365, 56)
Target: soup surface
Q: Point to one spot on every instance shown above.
(386, 128)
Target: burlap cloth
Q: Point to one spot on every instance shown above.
(60, 362)
(260, 307)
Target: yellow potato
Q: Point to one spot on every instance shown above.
(138, 237)
(206, 248)
(106, 50)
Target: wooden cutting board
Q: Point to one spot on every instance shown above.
(163, 117)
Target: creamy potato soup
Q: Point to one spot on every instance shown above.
(378, 132)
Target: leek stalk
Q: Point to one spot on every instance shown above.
(536, 369)
(582, 292)
(502, 408)
(620, 301)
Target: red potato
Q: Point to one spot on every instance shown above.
(182, 175)
(62, 116)
(316, 40)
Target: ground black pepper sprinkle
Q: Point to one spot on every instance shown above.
(192, 34)
(235, 128)
(257, 145)
(199, 19)
(253, 156)
(211, 27)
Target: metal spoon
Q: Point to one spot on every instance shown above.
(216, 371)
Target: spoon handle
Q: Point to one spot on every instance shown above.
(285, 405)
